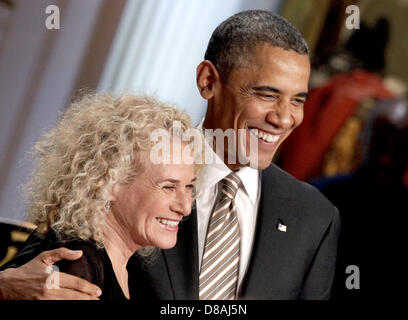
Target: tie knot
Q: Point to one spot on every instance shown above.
(230, 185)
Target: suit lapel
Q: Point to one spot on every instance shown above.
(270, 244)
(182, 260)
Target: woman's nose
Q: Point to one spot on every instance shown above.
(183, 203)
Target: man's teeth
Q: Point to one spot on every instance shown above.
(265, 136)
(168, 222)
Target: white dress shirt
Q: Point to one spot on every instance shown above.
(246, 203)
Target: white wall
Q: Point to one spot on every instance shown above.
(160, 43)
(156, 50)
(38, 69)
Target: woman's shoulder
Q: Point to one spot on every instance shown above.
(88, 247)
(90, 266)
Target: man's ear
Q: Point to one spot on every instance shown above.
(207, 79)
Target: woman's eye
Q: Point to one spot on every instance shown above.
(192, 189)
(169, 187)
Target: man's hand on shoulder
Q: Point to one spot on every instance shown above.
(29, 282)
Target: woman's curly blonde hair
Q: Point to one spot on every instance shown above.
(98, 142)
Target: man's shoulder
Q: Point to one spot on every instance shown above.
(304, 198)
(291, 186)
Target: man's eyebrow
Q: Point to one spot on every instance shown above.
(275, 90)
(302, 95)
(266, 88)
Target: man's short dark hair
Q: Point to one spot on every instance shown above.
(235, 38)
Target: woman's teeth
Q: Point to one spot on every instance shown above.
(264, 136)
(168, 222)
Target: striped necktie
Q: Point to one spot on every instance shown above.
(220, 263)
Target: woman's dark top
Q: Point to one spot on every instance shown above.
(94, 264)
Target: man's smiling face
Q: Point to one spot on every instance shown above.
(265, 99)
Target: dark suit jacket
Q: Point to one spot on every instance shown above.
(296, 264)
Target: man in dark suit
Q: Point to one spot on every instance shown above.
(255, 77)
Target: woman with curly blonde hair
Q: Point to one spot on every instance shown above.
(96, 188)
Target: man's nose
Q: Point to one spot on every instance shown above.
(280, 116)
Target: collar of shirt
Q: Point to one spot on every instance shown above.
(215, 172)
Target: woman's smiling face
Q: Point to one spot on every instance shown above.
(149, 208)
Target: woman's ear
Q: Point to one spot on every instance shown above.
(207, 79)
(114, 191)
